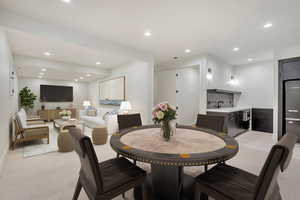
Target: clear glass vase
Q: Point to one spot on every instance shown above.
(167, 130)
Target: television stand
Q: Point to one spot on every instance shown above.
(52, 114)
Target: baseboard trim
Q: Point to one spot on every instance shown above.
(2, 160)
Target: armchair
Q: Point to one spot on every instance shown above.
(31, 120)
(24, 132)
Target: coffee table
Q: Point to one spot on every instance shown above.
(61, 124)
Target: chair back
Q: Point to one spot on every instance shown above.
(18, 128)
(278, 159)
(129, 121)
(215, 123)
(21, 117)
(90, 170)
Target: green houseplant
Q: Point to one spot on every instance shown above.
(27, 98)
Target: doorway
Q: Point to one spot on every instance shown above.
(180, 88)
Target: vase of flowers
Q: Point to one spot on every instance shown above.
(163, 114)
(65, 114)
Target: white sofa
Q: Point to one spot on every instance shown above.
(102, 119)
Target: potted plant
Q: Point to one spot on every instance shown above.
(27, 98)
(163, 114)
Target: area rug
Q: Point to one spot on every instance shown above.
(40, 147)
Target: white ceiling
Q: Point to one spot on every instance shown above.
(31, 67)
(204, 26)
(63, 54)
(50, 74)
(35, 46)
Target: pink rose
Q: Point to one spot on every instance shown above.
(154, 114)
(157, 107)
(163, 107)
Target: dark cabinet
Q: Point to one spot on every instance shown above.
(262, 120)
(234, 124)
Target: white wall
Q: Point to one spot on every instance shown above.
(138, 88)
(166, 82)
(80, 92)
(256, 82)
(221, 76)
(93, 93)
(8, 103)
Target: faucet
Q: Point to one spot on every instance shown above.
(219, 104)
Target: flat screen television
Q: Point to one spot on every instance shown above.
(53, 93)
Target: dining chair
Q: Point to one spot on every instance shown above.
(211, 122)
(105, 180)
(224, 182)
(129, 120)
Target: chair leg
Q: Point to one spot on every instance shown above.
(205, 168)
(13, 146)
(123, 195)
(144, 192)
(197, 193)
(77, 190)
(203, 196)
(276, 193)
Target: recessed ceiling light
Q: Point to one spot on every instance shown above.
(235, 49)
(75, 80)
(66, 1)
(43, 70)
(42, 73)
(147, 34)
(268, 25)
(47, 53)
(250, 59)
(88, 75)
(81, 78)
(187, 51)
(98, 63)
(40, 77)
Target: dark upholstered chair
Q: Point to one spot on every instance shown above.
(129, 121)
(105, 180)
(224, 182)
(215, 123)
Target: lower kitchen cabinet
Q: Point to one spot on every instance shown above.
(234, 124)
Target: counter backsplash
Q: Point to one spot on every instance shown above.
(214, 98)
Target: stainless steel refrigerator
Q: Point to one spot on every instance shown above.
(292, 107)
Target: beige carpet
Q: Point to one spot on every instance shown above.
(38, 147)
(53, 176)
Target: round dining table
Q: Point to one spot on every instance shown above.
(189, 146)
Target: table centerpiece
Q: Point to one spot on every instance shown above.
(65, 114)
(164, 114)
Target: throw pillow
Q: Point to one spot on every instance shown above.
(92, 113)
(22, 119)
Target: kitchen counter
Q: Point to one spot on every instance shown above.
(236, 121)
(227, 110)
